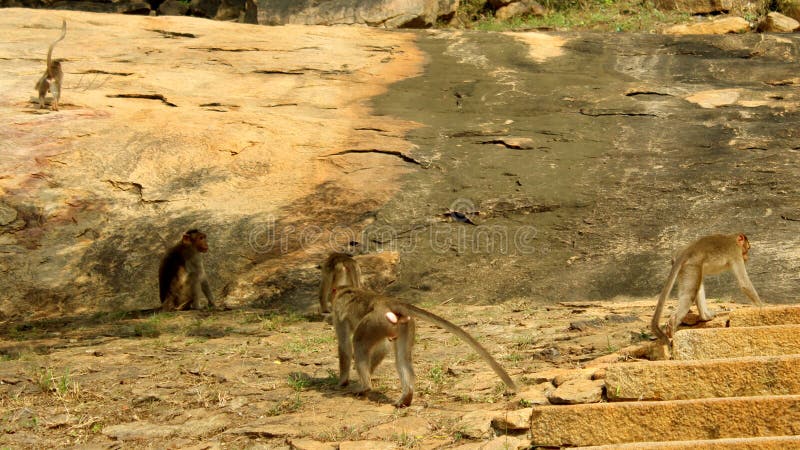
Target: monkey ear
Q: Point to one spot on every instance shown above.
(186, 239)
(741, 239)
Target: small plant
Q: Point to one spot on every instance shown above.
(298, 381)
(525, 403)
(61, 385)
(149, 328)
(287, 405)
(437, 376)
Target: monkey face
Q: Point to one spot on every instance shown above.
(200, 243)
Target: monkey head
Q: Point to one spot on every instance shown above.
(744, 244)
(196, 239)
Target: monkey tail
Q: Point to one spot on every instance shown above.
(455, 329)
(50, 50)
(662, 298)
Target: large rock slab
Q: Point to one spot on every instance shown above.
(714, 343)
(767, 315)
(682, 380)
(616, 423)
(760, 443)
(140, 151)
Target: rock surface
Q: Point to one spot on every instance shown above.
(776, 22)
(722, 25)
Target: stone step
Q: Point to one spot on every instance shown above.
(760, 443)
(768, 315)
(716, 343)
(683, 380)
(617, 423)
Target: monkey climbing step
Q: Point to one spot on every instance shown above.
(617, 423)
(760, 443)
(768, 315)
(683, 380)
(712, 343)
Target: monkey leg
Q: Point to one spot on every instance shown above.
(690, 279)
(370, 333)
(404, 348)
(55, 88)
(702, 305)
(345, 350)
(378, 353)
(42, 86)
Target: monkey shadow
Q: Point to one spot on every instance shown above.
(329, 388)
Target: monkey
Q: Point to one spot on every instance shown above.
(181, 275)
(338, 270)
(53, 75)
(366, 321)
(708, 255)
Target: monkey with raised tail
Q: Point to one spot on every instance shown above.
(53, 76)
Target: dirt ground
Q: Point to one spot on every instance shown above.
(254, 378)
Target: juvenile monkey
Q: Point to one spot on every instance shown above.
(709, 255)
(364, 321)
(53, 75)
(339, 270)
(182, 277)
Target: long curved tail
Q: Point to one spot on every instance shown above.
(455, 329)
(50, 50)
(662, 298)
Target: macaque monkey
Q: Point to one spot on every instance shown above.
(366, 321)
(181, 276)
(709, 255)
(338, 271)
(53, 75)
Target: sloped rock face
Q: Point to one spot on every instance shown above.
(169, 123)
(381, 13)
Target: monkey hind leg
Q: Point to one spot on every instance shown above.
(404, 348)
(702, 305)
(378, 353)
(345, 351)
(55, 89)
(42, 86)
(690, 279)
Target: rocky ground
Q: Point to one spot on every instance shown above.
(254, 378)
(532, 185)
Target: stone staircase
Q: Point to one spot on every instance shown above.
(726, 388)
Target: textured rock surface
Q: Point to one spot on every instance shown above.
(767, 315)
(723, 25)
(612, 423)
(776, 22)
(155, 136)
(763, 443)
(681, 380)
(714, 343)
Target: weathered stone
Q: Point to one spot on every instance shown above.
(536, 395)
(476, 424)
(230, 10)
(498, 443)
(412, 426)
(520, 8)
(759, 443)
(309, 444)
(575, 392)
(776, 22)
(767, 315)
(721, 25)
(381, 13)
(506, 421)
(139, 431)
(695, 6)
(614, 423)
(367, 445)
(173, 8)
(714, 343)
(681, 380)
